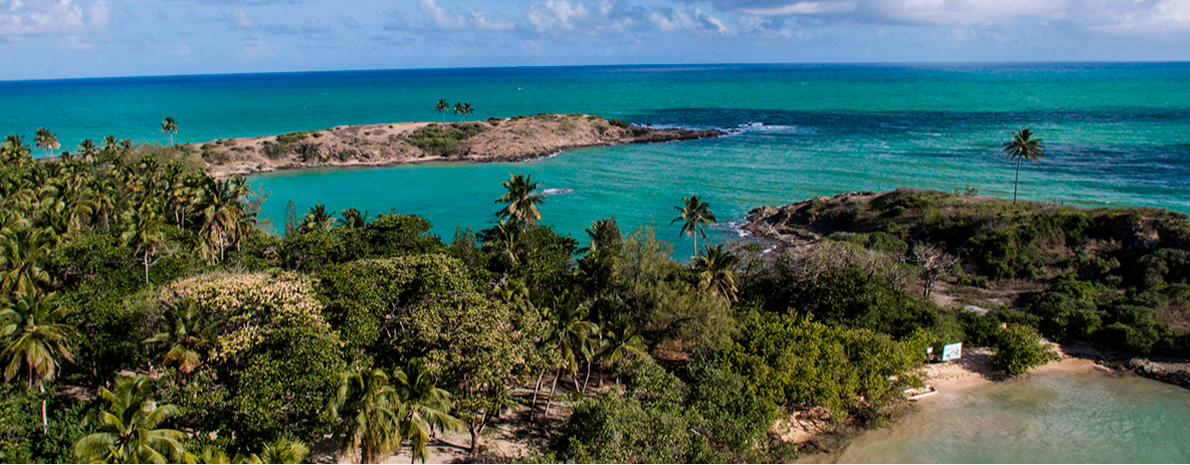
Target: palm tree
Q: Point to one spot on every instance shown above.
(46, 140)
(566, 331)
(467, 110)
(522, 202)
(143, 230)
(459, 110)
(88, 150)
(605, 237)
(695, 214)
(442, 107)
(370, 412)
(281, 451)
(221, 212)
(33, 338)
(110, 147)
(621, 340)
(129, 428)
(14, 148)
(187, 334)
(1023, 145)
(716, 271)
(352, 218)
(170, 126)
(318, 219)
(24, 250)
(428, 407)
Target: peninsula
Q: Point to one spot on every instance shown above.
(493, 139)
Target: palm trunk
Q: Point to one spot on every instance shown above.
(45, 424)
(549, 402)
(588, 378)
(146, 259)
(1016, 180)
(536, 389)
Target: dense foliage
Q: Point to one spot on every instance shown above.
(146, 315)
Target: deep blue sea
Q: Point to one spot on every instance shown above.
(1116, 134)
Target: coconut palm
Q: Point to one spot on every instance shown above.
(442, 107)
(170, 126)
(24, 249)
(14, 149)
(605, 237)
(695, 214)
(88, 150)
(1023, 145)
(567, 333)
(34, 338)
(370, 412)
(352, 218)
(716, 271)
(427, 406)
(467, 110)
(187, 334)
(522, 202)
(318, 219)
(221, 212)
(459, 110)
(46, 140)
(129, 430)
(621, 339)
(144, 232)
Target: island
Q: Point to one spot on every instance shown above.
(494, 139)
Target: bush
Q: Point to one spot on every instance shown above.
(618, 123)
(443, 140)
(1019, 348)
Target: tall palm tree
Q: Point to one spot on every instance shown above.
(716, 271)
(46, 140)
(428, 407)
(170, 126)
(459, 110)
(24, 250)
(568, 333)
(605, 237)
(14, 148)
(1023, 145)
(33, 338)
(187, 333)
(695, 214)
(442, 107)
(318, 219)
(144, 231)
(88, 150)
(110, 147)
(129, 430)
(221, 213)
(467, 110)
(522, 202)
(370, 412)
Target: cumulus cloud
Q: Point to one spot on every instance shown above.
(677, 20)
(474, 20)
(53, 17)
(1109, 16)
(602, 16)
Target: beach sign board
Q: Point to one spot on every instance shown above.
(952, 351)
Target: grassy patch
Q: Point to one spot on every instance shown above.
(441, 140)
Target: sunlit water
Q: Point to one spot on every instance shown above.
(1085, 416)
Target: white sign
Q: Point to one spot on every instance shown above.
(952, 351)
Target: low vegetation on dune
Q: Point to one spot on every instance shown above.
(147, 317)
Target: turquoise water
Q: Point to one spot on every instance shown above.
(1083, 417)
(1117, 133)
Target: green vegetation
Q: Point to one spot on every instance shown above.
(444, 140)
(145, 317)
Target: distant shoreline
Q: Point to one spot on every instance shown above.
(387, 144)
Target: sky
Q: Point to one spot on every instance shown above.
(51, 39)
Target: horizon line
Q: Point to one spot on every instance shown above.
(805, 63)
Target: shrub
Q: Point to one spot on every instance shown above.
(619, 123)
(1019, 348)
(442, 140)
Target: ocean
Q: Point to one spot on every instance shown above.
(1116, 134)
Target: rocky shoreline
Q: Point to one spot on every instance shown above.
(495, 139)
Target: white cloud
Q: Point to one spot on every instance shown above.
(240, 20)
(1137, 17)
(476, 20)
(256, 49)
(677, 20)
(555, 15)
(181, 50)
(52, 17)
